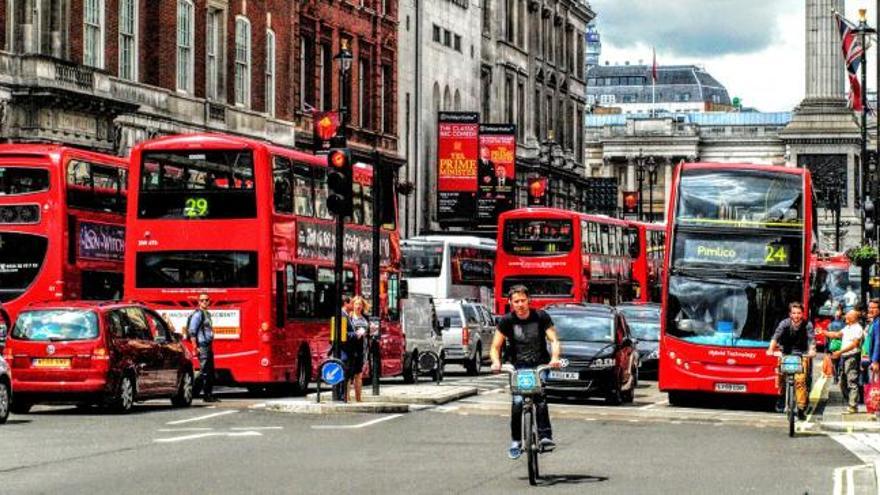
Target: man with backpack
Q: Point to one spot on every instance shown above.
(201, 333)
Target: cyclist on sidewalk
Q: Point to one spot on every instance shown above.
(529, 331)
(794, 334)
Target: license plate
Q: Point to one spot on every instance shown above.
(730, 387)
(51, 363)
(564, 375)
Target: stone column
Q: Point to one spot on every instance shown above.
(824, 61)
(630, 174)
(667, 184)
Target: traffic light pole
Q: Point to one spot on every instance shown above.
(378, 177)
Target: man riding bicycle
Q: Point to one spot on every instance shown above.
(794, 334)
(529, 332)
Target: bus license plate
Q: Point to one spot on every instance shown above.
(564, 375)
(730, 387)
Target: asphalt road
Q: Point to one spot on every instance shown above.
(236, 448)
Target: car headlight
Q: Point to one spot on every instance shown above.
(602, 363)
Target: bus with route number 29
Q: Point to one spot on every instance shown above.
(738, 252)
(62, 224)
(246, 222)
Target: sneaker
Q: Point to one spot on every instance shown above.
(801, 415)
(211, 398)
(780, 405)
(852, 410)
(547, 444)
(515, 450)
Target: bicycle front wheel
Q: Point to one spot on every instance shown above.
(530, 445)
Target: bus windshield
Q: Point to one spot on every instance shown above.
(20, 180)
(422, 259)
(739, 198)
(733, 313)
(197, 185)
(538, 237)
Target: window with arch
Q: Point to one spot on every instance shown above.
(242, 61)
(185, 42)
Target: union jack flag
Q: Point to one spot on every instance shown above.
(852, 49)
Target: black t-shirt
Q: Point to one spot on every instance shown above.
(528, 337)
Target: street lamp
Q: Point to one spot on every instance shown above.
(550, 155)
(863, 31)
(344, 58)
(640, 177)
(652, 179)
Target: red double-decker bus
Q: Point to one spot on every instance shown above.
(648, 241)
(832, 286)
(738, 252)
(562, 256)
(247, 223)
(62, 224)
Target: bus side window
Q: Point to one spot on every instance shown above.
(283, 187)
(320, 184)
(357, 208)
(304, 295)
(290, 290)
(303, 196)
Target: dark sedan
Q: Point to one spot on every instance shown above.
(643, 320)
(600, 351)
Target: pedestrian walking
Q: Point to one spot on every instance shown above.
(201, 333)
(849, 354)
(356, 345)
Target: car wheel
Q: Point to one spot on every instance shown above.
(410, 367)
(5, 402)
(123, 400)
(184, 395)
(474, 365)
(438, 373)
(614, 396)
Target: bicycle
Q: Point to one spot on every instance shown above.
(528, 383)
(790, 365)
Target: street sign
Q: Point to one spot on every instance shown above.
(332, 372)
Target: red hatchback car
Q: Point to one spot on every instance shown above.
(111, 354)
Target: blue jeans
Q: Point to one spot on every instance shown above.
(205, 380)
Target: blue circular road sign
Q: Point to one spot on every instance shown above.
(332, 372)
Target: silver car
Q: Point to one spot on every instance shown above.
(424, 343)
(468, 329)
(5, 390)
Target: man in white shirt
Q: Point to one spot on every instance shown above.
(851, 339)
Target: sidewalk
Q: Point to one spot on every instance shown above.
(833, 417)
(391, 399)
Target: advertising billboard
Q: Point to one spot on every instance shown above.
(457, 152)
(496, 172)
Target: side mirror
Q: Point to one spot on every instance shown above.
(447, 322)
(403, 289)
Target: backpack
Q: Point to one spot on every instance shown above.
(193, 335)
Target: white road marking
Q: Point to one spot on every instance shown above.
(655, 404)
(208, 434)
(357, 426)
(200, 418)
(176, 430)
(256, 428)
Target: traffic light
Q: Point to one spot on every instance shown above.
(339, 182)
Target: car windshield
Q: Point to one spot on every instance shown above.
(56, 325)
(640, 312)
(645, 330)
(583, 327)
(453, 315)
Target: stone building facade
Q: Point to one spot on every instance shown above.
(105, 74)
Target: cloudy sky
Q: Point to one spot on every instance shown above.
(754, 47)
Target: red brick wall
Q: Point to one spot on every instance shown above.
(75, 31)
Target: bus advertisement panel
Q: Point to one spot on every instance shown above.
(738, 253)
(62, 219)
(457, 152)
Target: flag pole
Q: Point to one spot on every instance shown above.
(653, 82)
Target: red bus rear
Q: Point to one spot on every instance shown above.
(738, 252)
(62, 224)
(562, 256)
(647, 264)
(247, 223)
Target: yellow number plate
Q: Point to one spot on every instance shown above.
(51, 363)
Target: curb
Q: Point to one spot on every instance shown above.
(451, 395)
